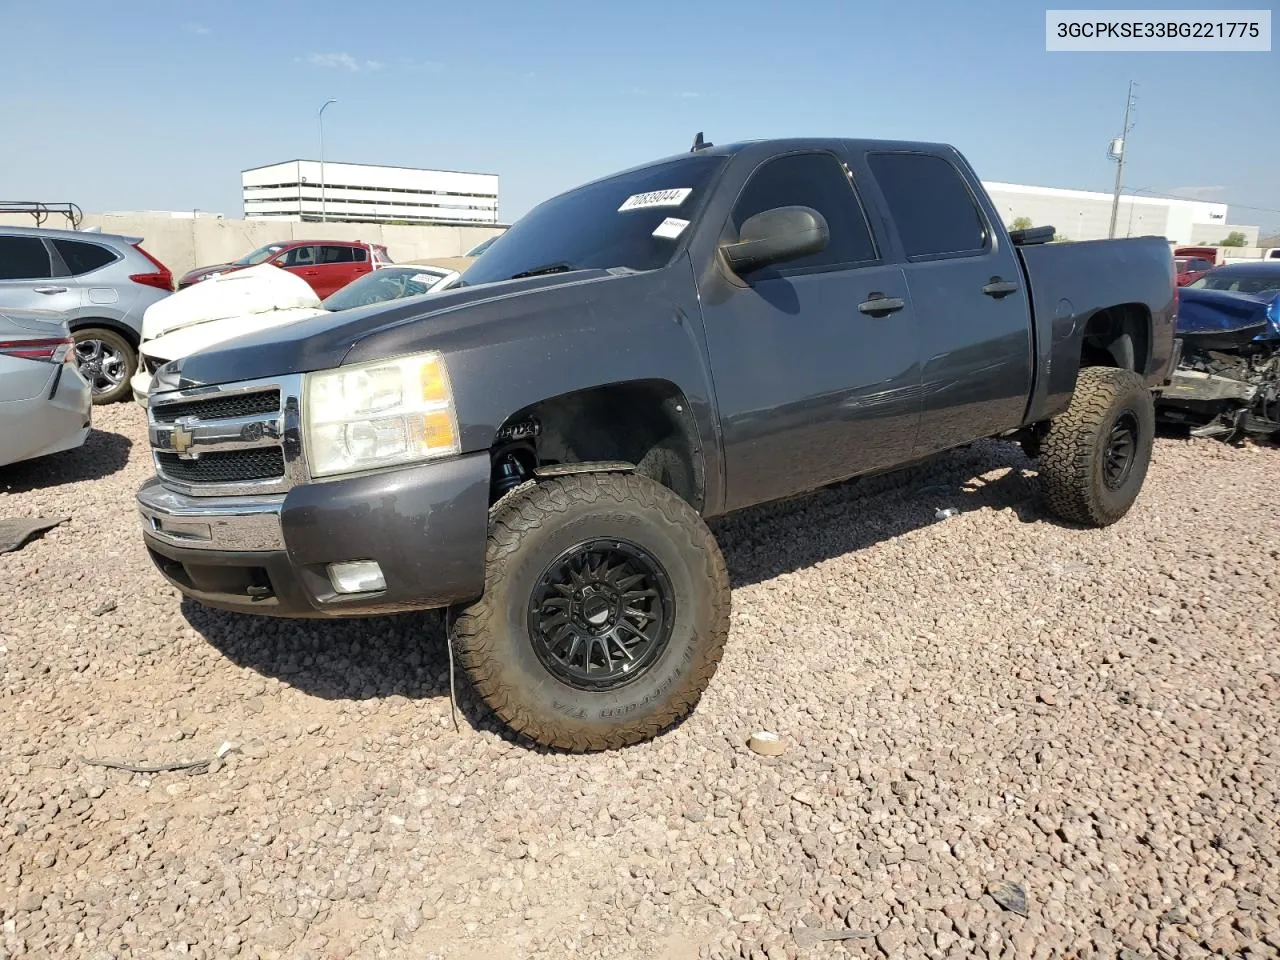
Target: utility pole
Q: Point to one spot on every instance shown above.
(1117, 151)
(322, 109)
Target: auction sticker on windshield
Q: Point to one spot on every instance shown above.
(670, 228)
(656, 198)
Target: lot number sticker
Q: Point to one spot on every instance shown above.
(670, 228)
(656, 198)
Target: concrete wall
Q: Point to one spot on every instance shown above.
(183, 244)
(1215, 233)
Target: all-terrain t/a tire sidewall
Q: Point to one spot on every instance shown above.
(545, 521)
(1073, 453)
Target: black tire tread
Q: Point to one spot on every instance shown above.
(528, 508)
(1067, 450)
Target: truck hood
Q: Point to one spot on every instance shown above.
(323, 342)
(245, 293)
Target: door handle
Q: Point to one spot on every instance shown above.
(878, 305)
(999, 288)
(49, 290)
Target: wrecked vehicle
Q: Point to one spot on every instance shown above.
(1228, 381)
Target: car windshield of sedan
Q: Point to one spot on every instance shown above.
(261, 255)
(633, 220)
(1251, 283)
(387, 283)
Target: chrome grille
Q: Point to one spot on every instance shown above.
(231, 439)
(226, 467)
(215, 408)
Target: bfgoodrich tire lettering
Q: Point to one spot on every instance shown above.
(528, 531)
(1094, 457)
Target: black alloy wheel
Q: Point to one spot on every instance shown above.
(601, 614)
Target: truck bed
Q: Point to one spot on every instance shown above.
(1070, 284)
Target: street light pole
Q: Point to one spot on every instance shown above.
(322, 206)
(1119, 147)
(1128, 230)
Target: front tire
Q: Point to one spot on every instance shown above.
(107, 361)
(605, 611)
(1094, 458)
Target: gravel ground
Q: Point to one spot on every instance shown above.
(972, 708)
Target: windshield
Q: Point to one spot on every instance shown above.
(631, 220)
(387, 283)
(261, 255)
(1253, 283)
(481, 247)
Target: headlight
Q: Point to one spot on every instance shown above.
(377, 414)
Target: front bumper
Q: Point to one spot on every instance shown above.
(141, 384)
(426, 526)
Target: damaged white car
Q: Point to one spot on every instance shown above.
(257, 298)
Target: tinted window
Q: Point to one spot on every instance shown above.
(814, 180)
(82, 257)
(930, 204)
(300, 257)
(610, 223)
(336, 255)
(359, 254)
(23, 258)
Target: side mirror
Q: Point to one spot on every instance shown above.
(775, 236)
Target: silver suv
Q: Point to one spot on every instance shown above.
(100, 283)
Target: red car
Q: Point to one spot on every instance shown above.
(1190, 269)
(328, 265)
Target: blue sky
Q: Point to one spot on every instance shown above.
(147, 105)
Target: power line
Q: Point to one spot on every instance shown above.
(1228, 203)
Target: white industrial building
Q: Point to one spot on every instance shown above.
(1084, 215)
(299, 190)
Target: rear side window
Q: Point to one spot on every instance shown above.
(814, 180)
(81, 257)
(336, 255)
(24, 258)
(932, 208)
(359, 254)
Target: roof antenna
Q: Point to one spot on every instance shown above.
(699, 143)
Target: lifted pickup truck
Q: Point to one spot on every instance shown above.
(537, 449)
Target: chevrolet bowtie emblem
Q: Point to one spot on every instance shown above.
(180, 438)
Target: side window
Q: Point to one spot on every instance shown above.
(24, 258)
(359, 254)
(301, 257)
(81, 258)
(930, 204)
(814, 180)
(335, 255)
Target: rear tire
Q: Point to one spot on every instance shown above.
(102, 356)
(612, 564)
(1094, 457)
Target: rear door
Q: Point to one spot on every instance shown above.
(83, 267)
(968, 293)
(814, 360)
(28, 279)
(336, 266)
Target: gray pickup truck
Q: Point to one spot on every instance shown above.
(537, 450)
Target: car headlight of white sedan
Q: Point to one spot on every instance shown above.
(378, 414)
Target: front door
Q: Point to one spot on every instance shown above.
(301, 261)
(969, 297)
(815, 380)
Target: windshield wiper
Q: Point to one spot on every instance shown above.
(546, 268)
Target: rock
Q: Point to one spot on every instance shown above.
(1011, 896)
(766, 744)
